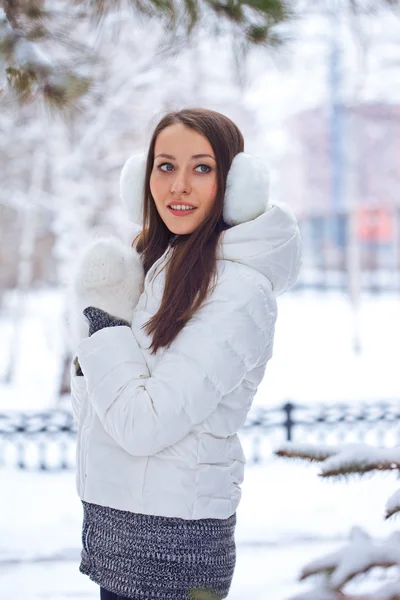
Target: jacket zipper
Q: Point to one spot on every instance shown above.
(158, 261)
(87, 420)
(85, 434)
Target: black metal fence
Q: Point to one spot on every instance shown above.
(376, 423)
(46, 440)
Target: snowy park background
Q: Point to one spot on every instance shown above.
(333, 343)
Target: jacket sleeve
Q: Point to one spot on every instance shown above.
(78, 391)
(145, 413)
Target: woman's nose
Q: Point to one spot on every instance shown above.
(180, 184)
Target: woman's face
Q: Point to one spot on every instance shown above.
(184, 175)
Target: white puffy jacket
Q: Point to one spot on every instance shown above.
(157, 434)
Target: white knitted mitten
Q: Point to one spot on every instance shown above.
(108, 276)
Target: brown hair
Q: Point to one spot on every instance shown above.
(191, 271)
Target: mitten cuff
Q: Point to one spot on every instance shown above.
(99, 319)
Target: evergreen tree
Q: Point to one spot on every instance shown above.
(43, 53)
(362, 553)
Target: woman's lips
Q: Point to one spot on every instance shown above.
(180, 213)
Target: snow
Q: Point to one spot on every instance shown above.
(393, 504)
(306, 451)
(389, 591)
(347, 457)
(320, 357)
(363, 457)
(363, 553)
(313, 343)
(39, 343)
(359, 556)
(287, 517)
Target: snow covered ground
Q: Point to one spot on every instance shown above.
(287, 515)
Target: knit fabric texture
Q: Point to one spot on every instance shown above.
(98, 319)
(150, 557)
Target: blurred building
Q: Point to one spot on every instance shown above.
(345, 183)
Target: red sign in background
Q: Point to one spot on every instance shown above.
(375, 224)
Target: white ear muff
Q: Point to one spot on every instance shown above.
(247, 189)
(246, 196)
(131, 185)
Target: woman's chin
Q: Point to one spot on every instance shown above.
(181, 228)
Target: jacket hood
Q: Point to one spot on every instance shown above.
(270, 243)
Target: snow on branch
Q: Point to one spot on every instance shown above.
(361, 554)
(31, 72)
(309, 452)
(349, 459)
(393, 505)
(360, 459)
(356, 558)
(389, 591)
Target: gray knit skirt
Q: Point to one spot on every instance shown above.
(157, 558)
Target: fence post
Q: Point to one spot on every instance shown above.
(288, 409)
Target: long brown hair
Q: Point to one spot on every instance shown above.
(191, 270)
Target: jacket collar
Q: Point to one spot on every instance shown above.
(270, 244)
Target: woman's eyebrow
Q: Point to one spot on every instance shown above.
(203, 156)
(170, 157)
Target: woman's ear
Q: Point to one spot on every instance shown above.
(131, 185)
(247, 189)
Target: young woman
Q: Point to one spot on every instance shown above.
(181, 327)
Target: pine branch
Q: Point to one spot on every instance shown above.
(321, 591)
(32, 75)
(361, 459)
(360, 556)
(192, 13)
(308, 452)
(25, 23)
(343, 462)
(389, 591)
(393, 505)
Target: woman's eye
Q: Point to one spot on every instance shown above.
(166, 167)
(204, 168)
